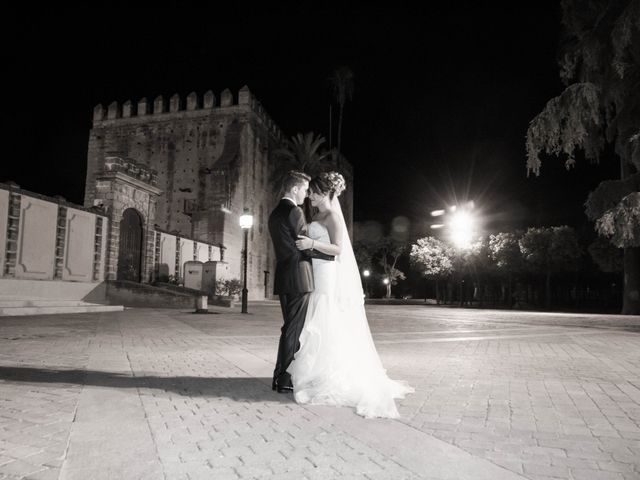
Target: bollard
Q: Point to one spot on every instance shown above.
(201, 304)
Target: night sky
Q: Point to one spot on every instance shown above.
(443, 95)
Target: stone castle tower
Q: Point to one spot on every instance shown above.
(212, 160)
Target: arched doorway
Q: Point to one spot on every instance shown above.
(130, 253)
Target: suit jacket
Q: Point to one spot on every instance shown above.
(293, 266)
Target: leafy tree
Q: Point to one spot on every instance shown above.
(621, 223)
(342, 83)
(473, 260)
(433, 258)
(507, 257)
(600, 67)
(550, 249)
(480, 264)
(387, 251)
(607, 257)
(363, 252)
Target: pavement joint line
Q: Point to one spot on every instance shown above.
(98, 406)
(578, 327)
(488, 337)
(73, 420)
(146, 418)
(411, 333)
(510, 312)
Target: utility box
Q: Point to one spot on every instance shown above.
(213, 271)
(193, 275)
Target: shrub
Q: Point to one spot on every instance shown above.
(230, 288)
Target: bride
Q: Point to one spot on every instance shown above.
(337, 363)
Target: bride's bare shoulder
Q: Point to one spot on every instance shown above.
(332, 220)
(326, 218)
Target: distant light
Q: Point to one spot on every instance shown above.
(366, 273)
(437, 213)
(437, 225)
(385, 281)
(246, 219)
(400, 225)
(453, 208)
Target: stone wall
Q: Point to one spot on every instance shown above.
(44, 238)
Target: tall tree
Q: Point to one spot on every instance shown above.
(363, 251)
(343, 86)
(433, 258)
(600, 66)
(607, 257)
(505, 252)
(388, 251)
(481, 265)
(304, 153)
(550, 249)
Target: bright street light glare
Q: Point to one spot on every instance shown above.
(437, 213)
(462, 229)
(437, 225)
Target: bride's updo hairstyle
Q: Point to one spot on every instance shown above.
(328, 183)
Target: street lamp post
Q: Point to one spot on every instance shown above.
(387, 283)
(246, 222)
(366, 274)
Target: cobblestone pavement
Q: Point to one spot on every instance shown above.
(165, 394)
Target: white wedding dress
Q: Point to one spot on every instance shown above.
(337, 363)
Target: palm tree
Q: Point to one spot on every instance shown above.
(303, 153)
(342, 83)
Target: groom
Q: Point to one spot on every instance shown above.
(294, 277)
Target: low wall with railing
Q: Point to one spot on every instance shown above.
(173, 251)
(45, 238)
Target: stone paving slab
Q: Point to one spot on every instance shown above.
(168, 394)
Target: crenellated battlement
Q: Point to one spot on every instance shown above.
(161, 107)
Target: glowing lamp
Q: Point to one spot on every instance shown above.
(246, 219)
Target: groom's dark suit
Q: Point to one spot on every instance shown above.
(293, 282)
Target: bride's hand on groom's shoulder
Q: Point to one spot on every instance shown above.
(304, 243)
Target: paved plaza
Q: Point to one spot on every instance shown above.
(169, 394)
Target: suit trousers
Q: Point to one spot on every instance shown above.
(294, 310)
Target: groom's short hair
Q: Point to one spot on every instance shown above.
(294, 179)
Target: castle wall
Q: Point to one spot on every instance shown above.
(211, 161)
